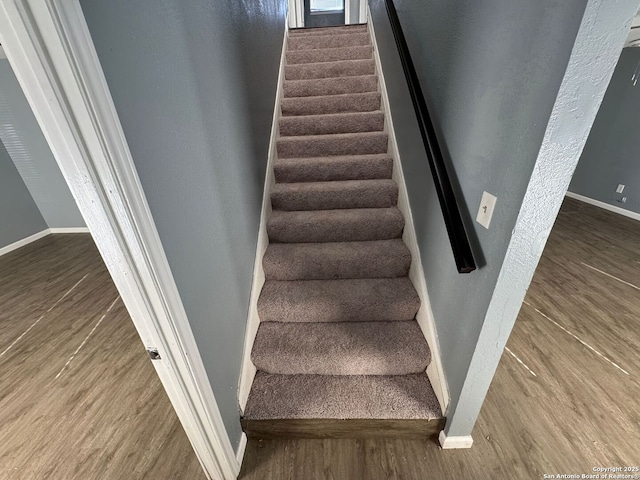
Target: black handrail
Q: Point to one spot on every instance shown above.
(462, 252)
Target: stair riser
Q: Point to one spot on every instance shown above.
(334, 262)
(391, 299)
(361, 197)
(330, 86)
(360, 102)
(346, 30)
(312, 42)
(329, 124)
(375, 227)
(301, 147)
(329, 55)
(319, 170)
(347, 68)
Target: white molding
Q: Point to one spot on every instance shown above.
(604, 205)
(242, 447)
(363, 12)
(248, 372)
(424, 317)
(347, 12)
(69, 230)
(25, 241)
(51, 52)
(447, 443)
(39, 235)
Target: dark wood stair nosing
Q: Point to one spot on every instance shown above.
(342, 428)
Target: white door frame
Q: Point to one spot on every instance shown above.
(51, 52)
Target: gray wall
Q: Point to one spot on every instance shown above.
(491, 71)
(194, 84)
(612, 153)
(23, 139)
(19, 215)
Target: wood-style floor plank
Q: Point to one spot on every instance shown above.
(576, 413)
(106, 416)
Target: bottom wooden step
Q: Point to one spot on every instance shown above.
(336, 428)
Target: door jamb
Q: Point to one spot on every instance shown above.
(49, 47)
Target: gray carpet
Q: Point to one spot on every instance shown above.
(342, 396)
(338, 336)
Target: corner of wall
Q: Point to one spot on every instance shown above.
(248, 372)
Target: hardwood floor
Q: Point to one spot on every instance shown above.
(79, 398)
(565, 398)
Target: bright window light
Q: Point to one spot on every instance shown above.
(327, 5)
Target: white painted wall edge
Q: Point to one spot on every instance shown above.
(424, 317)
(248, 371)
(347, 12)
(242, 447)
(37, 236)
(51, 52)
(69, 230)
(364, 8)
(604, 205)
(454, 442)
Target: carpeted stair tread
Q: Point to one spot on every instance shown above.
(316, 261)
(347, 225)
(341, 348)
(342, 68)
(352, 122)
(329, 54)
(321, 169)
(335, 195)
(336, 144)
(329, 40)
(339, 30)
(330, 86)
(342, 396)
(350, 102)
(352, 300)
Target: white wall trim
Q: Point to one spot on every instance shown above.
(37, 236)
(364, 8)
(604, 205)
(25, 241)
(248, 372)
(51, 52)
(69, 230)
(242, 447)
(347, 12)
(435, 370)
(454, 442)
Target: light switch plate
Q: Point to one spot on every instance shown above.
(485, 212)
(620, 188)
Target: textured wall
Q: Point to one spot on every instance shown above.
(23, 139)
(19, 215)
(491, 71)
(194, 84)
(612, 153)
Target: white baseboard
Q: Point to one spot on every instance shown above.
(249, 370)
(424, 317)
(69, 230)
(605, 206)
(24, 241)
(242, 446)
(38, 236)
(454, 442)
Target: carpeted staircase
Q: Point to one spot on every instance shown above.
(338, 337)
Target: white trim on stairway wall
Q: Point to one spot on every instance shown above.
(604, 206)
(435, 370)
(448, 443)
(248, 372)
(49, 47)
